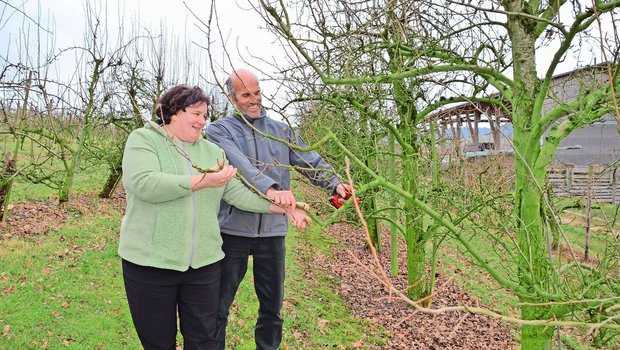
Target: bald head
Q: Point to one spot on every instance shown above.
(239, 78)
(244, 92)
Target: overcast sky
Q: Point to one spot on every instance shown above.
(64, 21)
(61, 24)
(240, 25)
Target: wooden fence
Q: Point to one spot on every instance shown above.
(575, 181)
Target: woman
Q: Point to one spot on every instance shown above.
(170, 241)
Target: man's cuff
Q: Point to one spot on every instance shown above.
(275, 186)
(335, 189)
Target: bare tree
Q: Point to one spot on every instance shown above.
(425, 55)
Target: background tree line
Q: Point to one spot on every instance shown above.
(365, 80)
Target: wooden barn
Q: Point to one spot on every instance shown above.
(586, 162)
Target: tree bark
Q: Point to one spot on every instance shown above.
(6, 183)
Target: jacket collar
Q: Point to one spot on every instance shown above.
(236, 114)
(159, 128)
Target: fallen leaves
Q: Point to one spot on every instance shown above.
(9, 290)
(36, 218)
(6, 332)
(408, 328)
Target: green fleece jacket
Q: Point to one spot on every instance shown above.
(166, 225)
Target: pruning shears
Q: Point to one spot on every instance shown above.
(335, 198)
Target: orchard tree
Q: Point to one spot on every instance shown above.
(80, 121)
(424, 55)
(357, 58)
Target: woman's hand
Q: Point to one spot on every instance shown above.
(299, 218)
(219, 177)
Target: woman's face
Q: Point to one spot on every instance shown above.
(187, 125)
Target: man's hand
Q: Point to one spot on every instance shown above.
(343, 190)
(299, 218)
(282, 198)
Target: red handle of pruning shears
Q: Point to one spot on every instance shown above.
(334, 200)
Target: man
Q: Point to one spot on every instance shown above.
(265, 163)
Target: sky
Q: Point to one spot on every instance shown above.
(242, 30)
(63, 20)
(241, 26)
(241, 40)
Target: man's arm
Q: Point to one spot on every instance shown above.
(239, 160)
(313, 166)
(324, 174)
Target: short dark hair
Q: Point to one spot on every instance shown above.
(177, 99)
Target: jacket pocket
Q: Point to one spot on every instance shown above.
(226, 214)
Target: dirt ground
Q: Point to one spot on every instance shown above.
(359, 284)
(352, 266)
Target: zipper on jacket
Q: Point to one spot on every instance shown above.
(260, 217)
(193, 196)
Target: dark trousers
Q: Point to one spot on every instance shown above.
(154, 296)
(268, 264)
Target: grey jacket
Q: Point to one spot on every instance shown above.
(265, 163)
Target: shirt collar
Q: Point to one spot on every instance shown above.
(263, 114)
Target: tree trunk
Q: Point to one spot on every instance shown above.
(6, 183)
(535, 338)
(369, 205)
(414, 234)
(113, 180)
(393, 212)
(533, 263)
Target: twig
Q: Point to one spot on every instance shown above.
(464, 308)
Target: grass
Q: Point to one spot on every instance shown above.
(473, 279)
(64, 290)
(314, 317)
(480, 285)
(22, 191)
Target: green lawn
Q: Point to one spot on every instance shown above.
(64, 290)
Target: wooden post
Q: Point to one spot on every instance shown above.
(586, 253)
(569, 177)
(615, 184)
(494, 124)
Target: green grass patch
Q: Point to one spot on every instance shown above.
(479, 284)
(314, 316)
(93, 181)
(473, 279)
(65, 290)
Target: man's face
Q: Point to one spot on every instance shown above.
(247, 97)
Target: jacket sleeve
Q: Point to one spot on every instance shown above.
(238, 195)
(221, 137)
(142, 174)
(323, 174)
